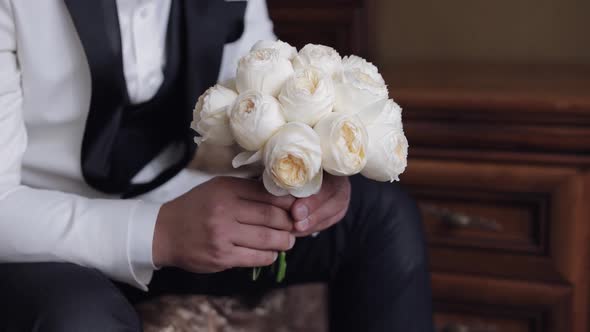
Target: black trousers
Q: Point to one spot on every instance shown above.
(374, 262)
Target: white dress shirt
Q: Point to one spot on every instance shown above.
(143, 26)
(47, 212)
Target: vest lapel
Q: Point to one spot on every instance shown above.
(111, 152)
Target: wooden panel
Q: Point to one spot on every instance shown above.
(513, 157)
(511, 306)
(512, 91)
(318, 22)
(497, 136)
(302, 26)
(530, 206)
(495, 108)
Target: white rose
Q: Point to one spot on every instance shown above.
(210, 116)
(359, 85)
(319, 56)
(307, 96)
(352, 61)
(385, 111)
(263, 70)
(285, 50)
(344, 144)
(387, 153)
(293, 160)
(254, 118)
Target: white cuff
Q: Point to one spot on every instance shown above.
(141, 236)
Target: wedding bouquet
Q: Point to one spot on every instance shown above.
(299, 114)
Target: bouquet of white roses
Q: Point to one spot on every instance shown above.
(299, 114)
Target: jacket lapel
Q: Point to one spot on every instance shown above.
(97, 25)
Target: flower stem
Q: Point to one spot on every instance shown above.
(279, 267)
(256, 273)
(282, 267)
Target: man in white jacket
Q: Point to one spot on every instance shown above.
(95, 104)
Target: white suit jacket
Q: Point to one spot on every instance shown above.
(47, 212)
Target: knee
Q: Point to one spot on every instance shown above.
(405, 228)
(88, 303)
(394, 225)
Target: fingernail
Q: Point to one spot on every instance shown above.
(302, 225)
(291, 242)
(301, 212)
(276, 255)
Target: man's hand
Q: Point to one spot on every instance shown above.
(324, 209)
(221, 224)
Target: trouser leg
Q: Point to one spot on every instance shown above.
(55, 297)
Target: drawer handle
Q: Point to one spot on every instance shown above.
(465, 328)
(461, 220)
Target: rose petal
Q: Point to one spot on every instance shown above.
(387, 153)
(320, 56)
(310, 188)
(307, 96)
(246, 158)
(271, 186)
(286, 51)
(385, 111)
(263, 70)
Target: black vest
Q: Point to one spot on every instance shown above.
(121, 138)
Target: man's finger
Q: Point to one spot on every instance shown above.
(336, 205)
(252, 190)
(255, 213)
(263, 238)
(246, 257)
(303, 208)
(322, 226)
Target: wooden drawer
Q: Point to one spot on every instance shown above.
(486, 220)
(499, 220)
(471, 304)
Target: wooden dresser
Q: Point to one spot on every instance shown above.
(499, 165)
(499, 158)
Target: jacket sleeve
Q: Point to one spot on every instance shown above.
(50, 226)
(257, 26)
